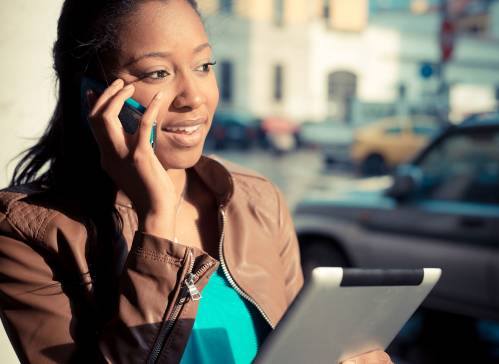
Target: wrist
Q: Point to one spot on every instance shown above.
(158, 224)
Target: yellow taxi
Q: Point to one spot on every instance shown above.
(385, 143)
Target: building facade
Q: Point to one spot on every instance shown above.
(311, 60)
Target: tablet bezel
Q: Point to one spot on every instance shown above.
(369, 307)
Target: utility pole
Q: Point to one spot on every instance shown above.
(447, 40)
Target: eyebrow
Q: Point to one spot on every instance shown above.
(157, 54)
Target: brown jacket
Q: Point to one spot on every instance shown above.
(47, 298)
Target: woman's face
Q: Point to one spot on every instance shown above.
(164, 47)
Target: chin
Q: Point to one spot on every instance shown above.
(175, 158)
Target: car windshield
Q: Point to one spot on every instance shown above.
(463, 167)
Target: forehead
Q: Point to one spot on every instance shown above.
(166, 26)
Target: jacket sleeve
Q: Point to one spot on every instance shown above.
(41, 319)
(290, 251)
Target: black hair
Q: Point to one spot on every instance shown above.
(87, 32)
(66, 160)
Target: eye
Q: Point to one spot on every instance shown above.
(156, 75)
(206, 67)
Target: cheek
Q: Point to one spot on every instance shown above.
(209, 89)
(145, 95)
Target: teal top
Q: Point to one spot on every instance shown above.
(228, 329)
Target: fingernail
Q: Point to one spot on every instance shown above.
(116, 82)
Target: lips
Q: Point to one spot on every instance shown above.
(183, 124)
(185, 133)
(183, 129)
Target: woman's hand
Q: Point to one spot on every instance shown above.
(130, 161)
(373, 357)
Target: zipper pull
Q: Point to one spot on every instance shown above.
(193, 290)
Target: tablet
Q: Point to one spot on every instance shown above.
(341, 313)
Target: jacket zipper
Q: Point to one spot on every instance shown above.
(229, 277)
(189, 289)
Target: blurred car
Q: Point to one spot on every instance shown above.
(281, 134)
(333, 139)
(482, 117)
(386, 143)
(441, 210)
(237, 130)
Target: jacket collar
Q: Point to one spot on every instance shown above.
(211, 171)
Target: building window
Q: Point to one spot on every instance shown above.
(341, 91)
(226, 6)
(226, 83)
(326, 9)
(330, 86)
(341, 84)
(279, 12)
(278, 82)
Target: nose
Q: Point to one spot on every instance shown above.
(189, 94)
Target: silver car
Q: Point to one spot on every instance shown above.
(441, 210)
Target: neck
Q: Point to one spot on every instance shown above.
(179, 178)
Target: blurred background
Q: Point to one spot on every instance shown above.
(379, 120)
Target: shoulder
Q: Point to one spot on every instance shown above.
(253, 187)
(244, 177)
(28, 213)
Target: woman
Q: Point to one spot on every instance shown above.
(105, 255)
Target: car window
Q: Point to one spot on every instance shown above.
(463, 167)
(394, 130)
(425, 126)
(424, 130)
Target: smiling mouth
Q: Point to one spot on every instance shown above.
(183, 129)
(186, 133)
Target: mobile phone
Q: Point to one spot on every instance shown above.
(130, 114)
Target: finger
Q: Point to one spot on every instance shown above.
(110, 121)
(107, 128)
(373, 357)
(148, 120)
(91, 100)
(116, 103)
(96, 124)
(104, 98)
